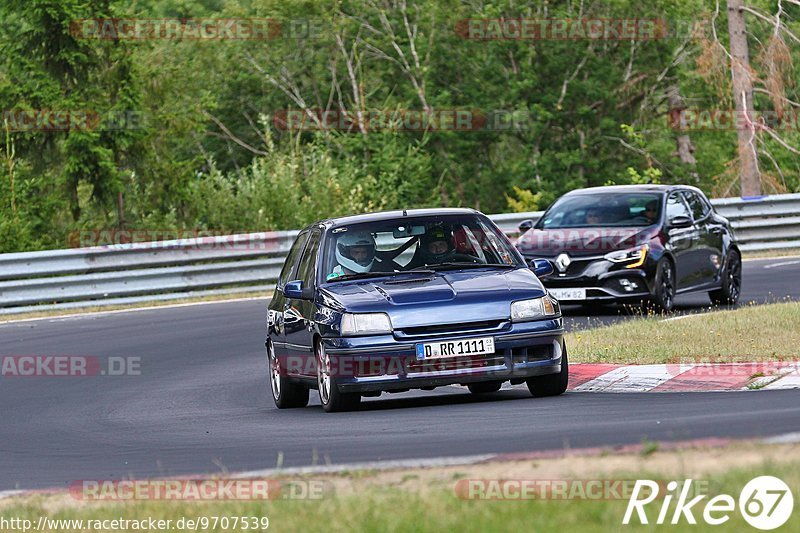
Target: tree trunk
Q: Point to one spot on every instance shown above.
(749, 176)
(684, 147)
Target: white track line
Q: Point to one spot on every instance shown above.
(786, 438)
(790, 380)
(55, 318)
(372, 465)
(641, 378)
(783, 263)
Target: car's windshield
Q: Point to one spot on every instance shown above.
(415, 244)
(603, 210)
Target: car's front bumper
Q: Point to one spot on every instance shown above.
(384, 363)
(603, 280)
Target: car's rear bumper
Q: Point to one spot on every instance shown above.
(381, 363)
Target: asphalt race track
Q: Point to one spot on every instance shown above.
(202, 402)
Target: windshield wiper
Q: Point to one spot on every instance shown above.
(365, 275)
(450, 265)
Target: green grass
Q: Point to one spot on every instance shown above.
(750, 333)
(436, 509)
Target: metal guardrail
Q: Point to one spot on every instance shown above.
(142, 272)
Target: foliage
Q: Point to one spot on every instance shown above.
(205, 149)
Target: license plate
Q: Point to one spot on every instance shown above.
(455, 348)
(568, 294)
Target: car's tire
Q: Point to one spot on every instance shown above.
(664, 291)
(330, 397)
(484, 387)
(552, 384)
(731, 289)
(286, 393)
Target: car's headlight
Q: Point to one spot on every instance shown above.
(365, 323)
(637, 255)
(534, 309)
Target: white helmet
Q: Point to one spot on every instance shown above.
(346, 242)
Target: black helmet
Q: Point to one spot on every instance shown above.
(436, 234)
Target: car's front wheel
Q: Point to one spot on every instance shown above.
(330, 397)
(484, 387)
(731, 289)
(286, 393)
(664, 293)
(551, 384)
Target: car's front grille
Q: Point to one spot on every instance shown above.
(445, 364)
(455, 329)
(519, 355)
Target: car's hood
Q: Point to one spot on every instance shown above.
(582, 241)
(448, 297)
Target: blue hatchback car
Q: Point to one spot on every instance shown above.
(417, 299)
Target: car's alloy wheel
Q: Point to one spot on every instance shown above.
(731, 288)
(664, 297)
(552, 384)
(329, 396)
(285, 393)
(484, 387)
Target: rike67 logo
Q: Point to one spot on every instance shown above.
(765, 503)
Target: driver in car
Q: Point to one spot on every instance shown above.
(355, 253)
(649, 214)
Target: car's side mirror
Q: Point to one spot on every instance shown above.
(294, 289)
(680, 221)
(541, 267)
(525, 225)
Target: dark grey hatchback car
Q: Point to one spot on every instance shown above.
(635, 243)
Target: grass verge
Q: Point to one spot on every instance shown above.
(751, 333)
(770, 254)
(427, 499)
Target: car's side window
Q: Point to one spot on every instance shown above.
(291, 259)
(699, 208)
(305, 271)
(676, 206)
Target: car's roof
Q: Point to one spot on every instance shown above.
(395, 214)
(629, 189)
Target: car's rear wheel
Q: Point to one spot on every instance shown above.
(484, 387)
(330, 397)
(552, 384)
(731, 289)
(664, 294)
(286, 393)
